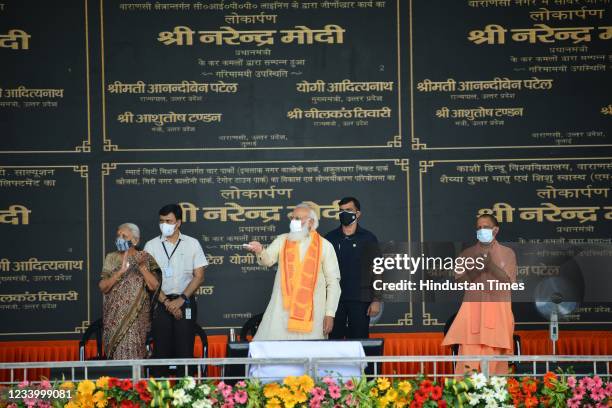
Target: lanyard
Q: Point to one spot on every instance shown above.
(166, 251)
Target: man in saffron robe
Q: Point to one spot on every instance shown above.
(484, 324)
(307, 283)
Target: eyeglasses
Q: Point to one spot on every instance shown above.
(293, 217)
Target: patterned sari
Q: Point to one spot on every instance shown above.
(126, 309)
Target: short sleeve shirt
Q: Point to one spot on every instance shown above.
(177, 261)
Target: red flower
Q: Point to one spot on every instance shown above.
(128, 404)
(145, 396)
(420, 397)
(415, 404)
(426, 386)
(126, 385)
(141, 386)
(436, 393)
(113, 382)
(442, 404)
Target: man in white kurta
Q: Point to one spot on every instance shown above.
(326, 294)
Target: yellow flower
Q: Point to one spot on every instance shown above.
(85, 400)
(383, 383)
(271, 390)
(382, 402)
(300, 396)
(374, 392)
(291, 381)
(273, 403)
(68, 385)
(284, 394)
(306, 382)
(100, 399)
(391, 395)
(102, 382)
(290, 403)
(71, 404)
(86, 387)
(405, 387)
(401, 403)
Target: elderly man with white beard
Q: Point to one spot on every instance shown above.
(307, 283)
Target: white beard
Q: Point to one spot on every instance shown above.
(298, 236)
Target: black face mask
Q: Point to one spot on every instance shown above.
(347, 218)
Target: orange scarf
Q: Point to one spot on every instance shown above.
(298, 281)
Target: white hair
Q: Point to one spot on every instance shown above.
(311, 214)
(132, 227)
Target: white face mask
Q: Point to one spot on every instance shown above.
(484, 235)
(166, 229)
(295, 226)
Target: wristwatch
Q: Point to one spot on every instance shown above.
(185, 298)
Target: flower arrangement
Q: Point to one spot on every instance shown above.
(524, 393)
(475, 390)
(589, 392)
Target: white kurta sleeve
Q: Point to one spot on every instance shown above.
(269, 256)
(331, 272)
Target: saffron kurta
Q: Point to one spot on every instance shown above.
(325, 297)
(484, 324)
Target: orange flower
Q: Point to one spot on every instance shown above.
(531, 402)
(513, 386)
(529, 386)
(550, 379)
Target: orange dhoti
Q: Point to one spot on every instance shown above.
(495, 367)
(485, 327)
(482, 329)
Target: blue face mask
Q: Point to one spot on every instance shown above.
(484, 235)
(122, 244)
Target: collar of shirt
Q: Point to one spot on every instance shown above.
(165, 240)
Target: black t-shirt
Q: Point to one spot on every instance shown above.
(355, 253)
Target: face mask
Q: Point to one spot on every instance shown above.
(347, 218)
(122, 244)
(295, 226)
(166, 229)
(484, 235)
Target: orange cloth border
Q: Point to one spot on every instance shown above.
(298, 282)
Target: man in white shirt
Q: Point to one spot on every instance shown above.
(182, 262)
(307, 283)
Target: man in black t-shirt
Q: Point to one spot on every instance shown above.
(355, 248)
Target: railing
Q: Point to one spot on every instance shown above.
(138, 369)
(539, 365)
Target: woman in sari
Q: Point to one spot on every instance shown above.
(128, 275)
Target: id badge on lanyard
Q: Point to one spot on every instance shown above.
(168, 272)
